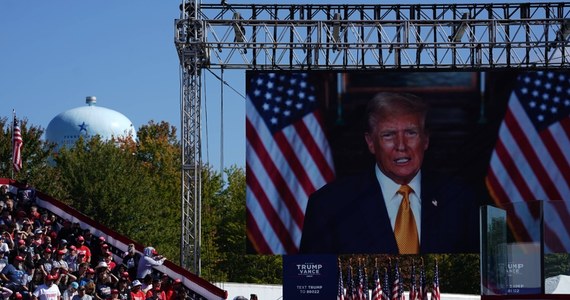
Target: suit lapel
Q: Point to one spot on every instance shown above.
(430, 213)
(373, 210)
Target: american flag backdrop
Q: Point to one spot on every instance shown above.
(17, 143)
(287, 158)
(531, 159)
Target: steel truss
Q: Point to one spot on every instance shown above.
(350, 37)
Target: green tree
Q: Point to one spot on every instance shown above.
(35, 154)
(224, 233)
(556, 264)
(131, 188)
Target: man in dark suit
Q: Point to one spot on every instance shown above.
(394, 207)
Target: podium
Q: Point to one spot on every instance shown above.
(515, 240)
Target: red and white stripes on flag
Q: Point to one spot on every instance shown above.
(17, 143)
(287, 158)
(531, 160)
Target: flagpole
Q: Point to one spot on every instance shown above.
(12, 158)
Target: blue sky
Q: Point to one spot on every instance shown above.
(55, 53)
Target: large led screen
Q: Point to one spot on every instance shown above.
(327, 154)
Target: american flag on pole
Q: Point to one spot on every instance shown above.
(435, 295)
(377, 291)
(422, 288)
(396, 285)
(531, 160)
(386, 286)
(350, 288)
(413, 287)
(362, 292)
(287, 158)
(340, 292)
(17, 143)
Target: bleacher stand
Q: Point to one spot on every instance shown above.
(41, 251)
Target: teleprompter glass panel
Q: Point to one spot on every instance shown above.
(493, 250)
(514, 267)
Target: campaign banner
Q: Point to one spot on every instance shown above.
(310, 276)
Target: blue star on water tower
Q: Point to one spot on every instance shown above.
(83, 127)
(88, 121)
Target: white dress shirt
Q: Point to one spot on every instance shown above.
(392, 199)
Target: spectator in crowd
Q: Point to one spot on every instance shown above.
(9, 203)
(38, 238)
(104, 281)
(120, 271)
(114, 294)
(148, 261)
(88, 277)
(70, 291)
(171, 288)
(90, 288)
(131, 260)
(124, 288)
(66, 232)
(35, 216)
(47, 291)
(81, 270)
(108, 258)
(147, 282)
(156, 292)
(90, 240)
(5, 292)
(82, 248)
(6, 242)
(6, 219)
(3, 260)
(14, 276)
(62, 246)
(26, 226)
(26, 196)
(81, 295)
(5, 192)
(71, 259)
(136, 292)
(98, 249)
(59, 262)
(45, 262)
(37, 279)
(182, 294)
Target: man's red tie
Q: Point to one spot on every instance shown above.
(405, 230)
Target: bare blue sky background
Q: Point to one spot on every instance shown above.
(55, 53)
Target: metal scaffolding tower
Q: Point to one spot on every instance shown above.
(350, 37)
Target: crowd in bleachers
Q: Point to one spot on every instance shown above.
(45, 258)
